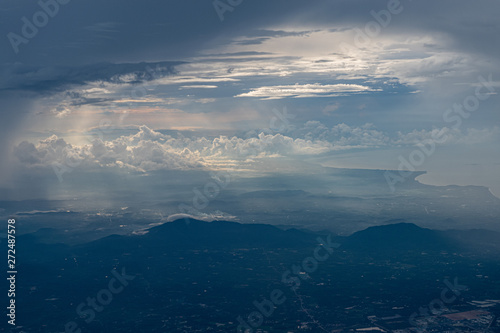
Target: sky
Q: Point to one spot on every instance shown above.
(138, 88)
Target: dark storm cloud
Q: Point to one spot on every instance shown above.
(95, 31)
(42, 79)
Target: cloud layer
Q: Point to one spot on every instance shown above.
(150, 150)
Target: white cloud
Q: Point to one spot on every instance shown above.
(331, 108)
(306, 90)
(141, 152)
(149, 150)
(343, 136)
(447, 135)
(199, 86)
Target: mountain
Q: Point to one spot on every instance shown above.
(194, 234)
(401, 237)
(397, 237)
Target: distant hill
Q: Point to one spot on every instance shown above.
(409, 237)
(396, 237)
(194, 234)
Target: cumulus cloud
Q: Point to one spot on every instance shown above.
(343, 136)
(140, 152)
(447, 135)
(150, 150)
